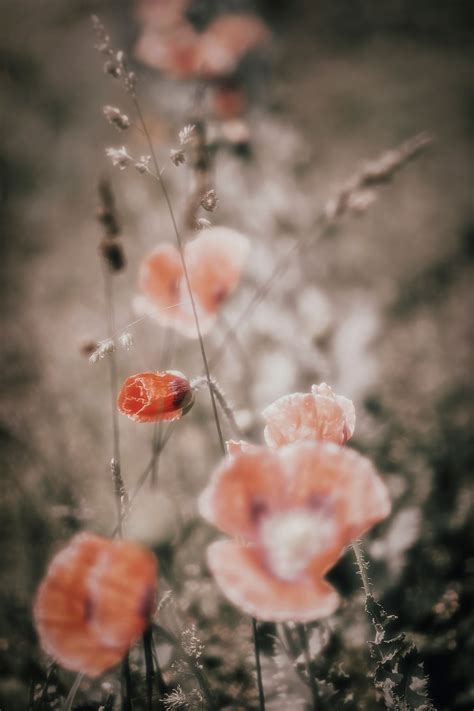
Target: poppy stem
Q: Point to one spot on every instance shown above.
(120, 492)
(261, 693)
(185, 270)
(72, 692)
(307, 657)
(362, 567)
(147, 642)
(126, 685)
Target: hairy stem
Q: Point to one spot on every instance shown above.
(185, 270)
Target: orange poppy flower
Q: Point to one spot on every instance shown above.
(318, 415)
(214, 262)
(96, 599)
(293, 512)
(154, 397)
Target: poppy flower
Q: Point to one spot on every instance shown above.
(292, 511)
(227, 40)
(160, 14)
(96, 599)
(214, 261)
(318, 415)
(173, 52)
(154, 397)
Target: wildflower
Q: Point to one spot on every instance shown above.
(174, 53)
(119, 157)
(293, 512)
(186, 134)
(177, 156)
(202, 223)
(142, 164)
(209, 200)
(96, 599)
(126, 340)
(214, 261)
(319, 415)
(151, 397)
(116, 118)
(103, 349)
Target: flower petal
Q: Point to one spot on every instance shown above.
(214, 261)
(319, 415)
(245, 581)
(242, 489)
(324, 474)
(159, 276)
(122, 591)
(61, 610)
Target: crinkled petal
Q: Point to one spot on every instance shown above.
(300, 416)
(241, 490)
(321, 474)
(244, 580)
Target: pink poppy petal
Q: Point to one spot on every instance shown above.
(159, 276)
(300, 416)
(241, 490)
(321, 474)
(215, 260)
(244, 580)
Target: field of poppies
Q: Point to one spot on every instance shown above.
(236, 408)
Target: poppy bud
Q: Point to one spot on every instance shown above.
(151, 397)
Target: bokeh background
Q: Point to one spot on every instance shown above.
(381, 309)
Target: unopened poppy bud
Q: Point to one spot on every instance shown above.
(155, 396)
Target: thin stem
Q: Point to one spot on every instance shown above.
(145, 474)
(362, 567)
(261, 693)
(257, 298)
(160, 682)
(307, 657)
(147, 642)
(224, 404)
(185, 270)
(112, 360)
(126, 685)
(72, 692)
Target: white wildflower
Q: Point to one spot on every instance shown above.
(202, 223)
(126, 340)
(103, 349)
(209, 200)
(142, 164)
(186, 133)
(177, 156)
(119, 157)
(115, 117)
